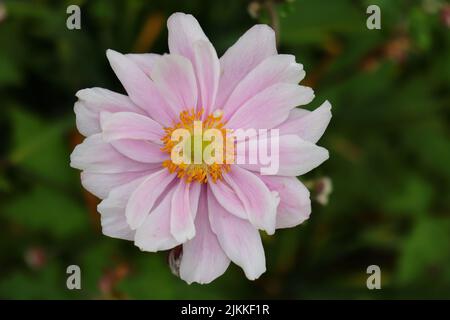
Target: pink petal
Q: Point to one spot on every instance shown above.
(203, 259)
(95, 155)
(186, 38)
(140, 150)
(174, 77)
(95, 100)
(280, 68)
(184, 30)
(112, 211)
(238, 238)
(207, 69)
(228, 198)
(144, 61)
(270, 107)
(115, 226)
(296, 156)
(194, 197)
(87, 121)
(128, 125)
(253, 47)
(100, 184)
(259, 202)
(154, 233)
(309, 126)
(140, 88)
(295, 205)
(143, 199)
(118, 197)
(183, 211)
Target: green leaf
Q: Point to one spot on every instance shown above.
(40, 147)
(48, 211)
(314, 21)
(426, 254)
(413, 198)
(46, 283)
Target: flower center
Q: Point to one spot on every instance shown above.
(200, 148)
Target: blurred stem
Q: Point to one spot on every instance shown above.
(274, 19)
(150, 31)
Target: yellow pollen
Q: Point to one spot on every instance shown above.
(189, 170)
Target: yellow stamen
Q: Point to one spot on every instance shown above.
(200, 172)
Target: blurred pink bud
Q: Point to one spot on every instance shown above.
(175, 259)
(35, 257)
(445, 15)
(323, 187)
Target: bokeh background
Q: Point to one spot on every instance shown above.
(389, 145)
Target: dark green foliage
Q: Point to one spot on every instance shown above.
(388, 140)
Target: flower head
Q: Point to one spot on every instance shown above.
(140, 152)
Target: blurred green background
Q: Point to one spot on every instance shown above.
(389, 149)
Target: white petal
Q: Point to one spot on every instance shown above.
(309, 126)
(142, 151)
(174, 77)
(260, 204)
(296, 156)
(140, 88)
(95, 155)
(100, 184)
(203, 259)
(128, 125)
(112, 211)
(144, 61)
(182, 214)
(154, 233)
(270, 107)
(280, 68)
(228, 198)
(238, 238)
(295, 205)
(251, 48)
(207, 70)
(93, 101)
(143, 199)
(184, 30)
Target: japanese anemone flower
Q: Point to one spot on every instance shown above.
(213, 211)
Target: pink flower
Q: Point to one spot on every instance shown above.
(213, 210)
